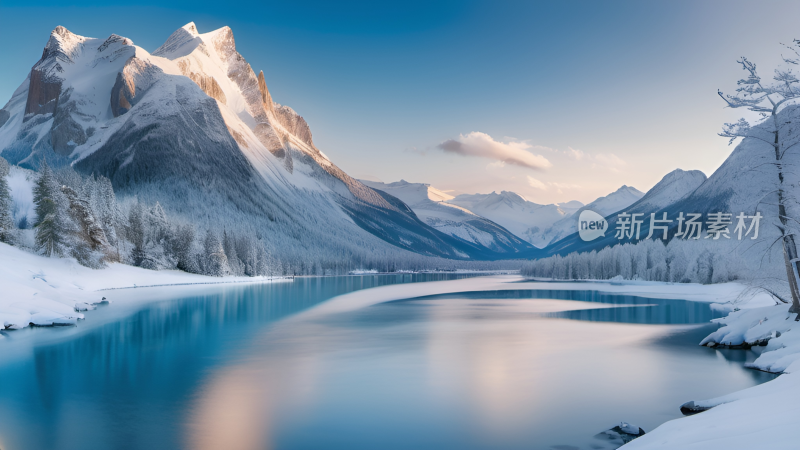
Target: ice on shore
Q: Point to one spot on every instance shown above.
(41, 291)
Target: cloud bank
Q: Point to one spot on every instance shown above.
(482, 145)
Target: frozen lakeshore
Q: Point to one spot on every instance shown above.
(44, 291)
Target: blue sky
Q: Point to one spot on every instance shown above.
(608, 93)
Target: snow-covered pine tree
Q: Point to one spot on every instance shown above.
(215, 261)
(6, 218)
(181, 248)
(90, 246)
(159, 225)
(109, 214)
(229, 245)
(51, 220)
(137, 234)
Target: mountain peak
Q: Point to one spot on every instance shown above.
(626, 188)
(191, 28)
(114, 39)
(63, 43)
(679, 174)
(61, 32)
(674, 186)
(223, 40)
(180, 43)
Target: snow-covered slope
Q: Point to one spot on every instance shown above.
(613, 202)
(192, 126)
(516, 214)
(673, 187)
(430, 205)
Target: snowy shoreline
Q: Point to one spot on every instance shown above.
(43, 291)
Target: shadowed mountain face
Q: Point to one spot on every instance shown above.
(192, 126)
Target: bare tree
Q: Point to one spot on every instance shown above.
(770, 99)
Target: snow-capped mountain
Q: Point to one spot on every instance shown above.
(524, 218)
(192, 126)
(613, 202)
(432, 207)
(673, 187)
(744, 183)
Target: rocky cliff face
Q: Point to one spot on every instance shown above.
(136, 77)
(266, 98)
(294, 124)
(45, 81)
(43, 93)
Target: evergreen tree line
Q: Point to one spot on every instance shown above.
(81, 217)
(679, 261)
(7, 225)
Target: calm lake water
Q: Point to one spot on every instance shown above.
(239, 368)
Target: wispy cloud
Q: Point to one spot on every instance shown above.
(416, 151)
(608, 161)
(561, 186)
(538, 184)
(545, 186)
(482, 145)
(574, 154)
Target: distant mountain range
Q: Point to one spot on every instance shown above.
(524, 218)
(501, 215)
(435, 208)
(611, 203)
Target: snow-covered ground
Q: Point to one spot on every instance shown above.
(52, 291)
(759, 417)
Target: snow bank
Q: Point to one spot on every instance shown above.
(51, 291)
(759, 417)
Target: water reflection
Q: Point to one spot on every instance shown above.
(128, 383)
(631, 309)
(494, 369)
